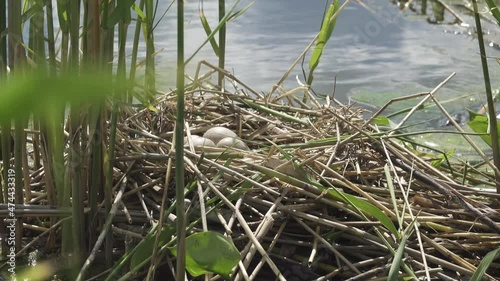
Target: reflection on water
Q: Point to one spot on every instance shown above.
(375, 47)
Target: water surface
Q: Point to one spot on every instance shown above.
(376, 50)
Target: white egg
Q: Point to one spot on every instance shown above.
(232, 143)
(199, 142)
(217, 133)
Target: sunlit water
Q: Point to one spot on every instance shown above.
(374, 51)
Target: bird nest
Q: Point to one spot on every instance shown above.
(320, 193)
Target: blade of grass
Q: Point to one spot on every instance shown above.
(485, 263)
(489, 95)
(494, 10)
(222, 43)
(3, 40)
(208, 31)
(324, 35)
(222, 22)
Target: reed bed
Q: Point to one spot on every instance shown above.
(321, 194)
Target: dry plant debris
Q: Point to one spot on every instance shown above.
(285, 189)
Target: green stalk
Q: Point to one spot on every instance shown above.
(222, 43)
(150, 81)
(15, 47)
(37, 40)
(179, 148)
(3, 40)
(53, 155)
(135, 46)
(75, 176)
(93, 32)
(96, 179)
(95, 113)
(106, 56)
(107, 37)
(50, 39)
(74, 23)
(489, 96)
(63, 11)
(109, 179)
(74, 156)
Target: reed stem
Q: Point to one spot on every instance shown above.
(179, 148)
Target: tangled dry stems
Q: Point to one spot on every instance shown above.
(276, 203)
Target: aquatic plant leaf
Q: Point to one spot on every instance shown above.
(62, 12)
(398, 258)
(392, 192)
(208, 31)
(138, 10)
(494, 10)
(479, 124)
(236, 14)
(324, 35)
(34, 9)
(367, 207)
(485, 263)
(208, 252)
(222, 22)
(442, 158)
(381, 120)
(373, 211)
(145, 248)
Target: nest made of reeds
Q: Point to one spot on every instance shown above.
(321, 194)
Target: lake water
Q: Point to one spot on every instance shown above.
(376, 53)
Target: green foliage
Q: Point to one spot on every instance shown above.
(485, 263)
(480, 124)
(371, 210)
(442, 158)
(324, 35)
(208, 252)
(46, 96)
(223, 21)
(208, 31)
(494, 10)
(381, 121)
(145, 248)
(398, 258)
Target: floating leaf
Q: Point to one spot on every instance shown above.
(208, 252)
(381, 120)
(480, 124)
